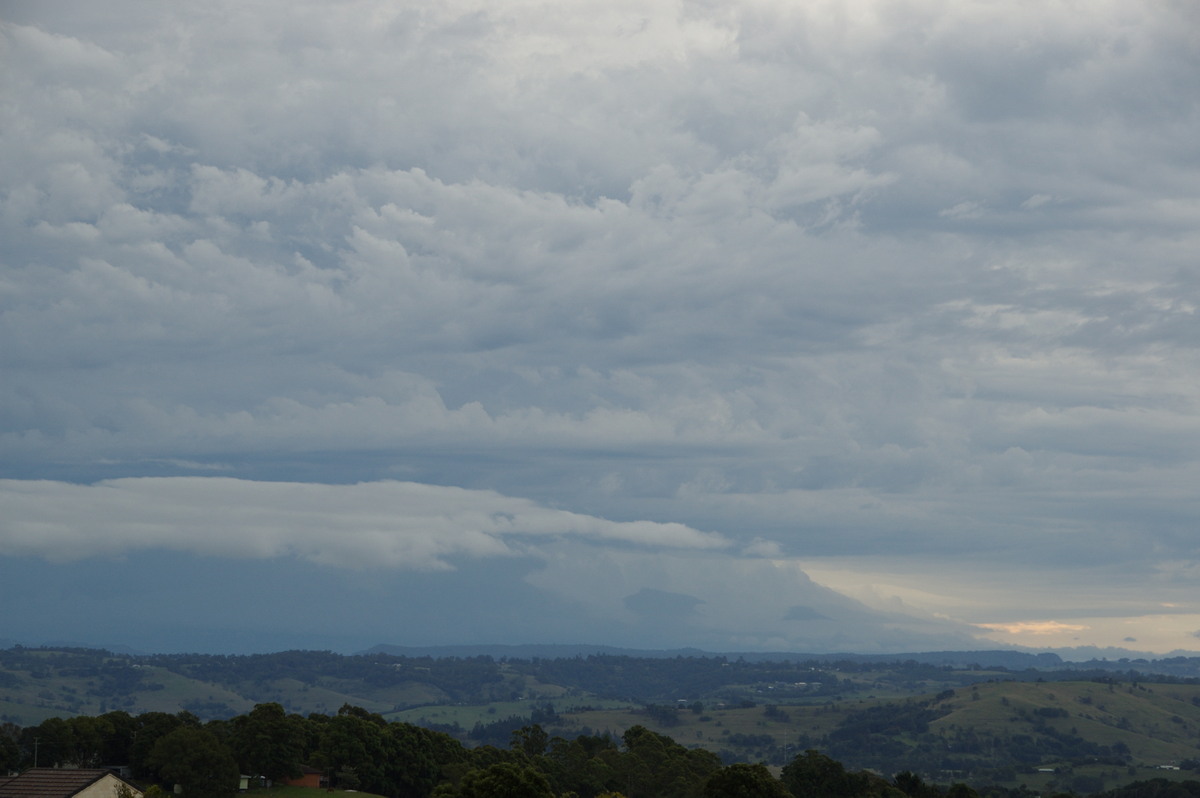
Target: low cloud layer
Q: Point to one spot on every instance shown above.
(644, 583)
(901, 291)
(395, 525)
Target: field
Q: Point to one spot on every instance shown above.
(1148, 730)
(1049, 730)
(305, 792)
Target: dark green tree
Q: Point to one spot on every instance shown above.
(10, 752)
(52, 742)
(268, 742)
(530, 740)
(960, 790)
(353, 742)
(744, 781)
(584, 766)
(505, 780)
(914, 786)
(815, 775)
(417, 759)
(149, 727)
(197, 761)
(656, 765)
(89, 736)
(118, 742)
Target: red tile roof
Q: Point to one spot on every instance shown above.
(50, 782)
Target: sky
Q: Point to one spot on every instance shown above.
(743, 325)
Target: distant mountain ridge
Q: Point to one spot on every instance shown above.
(1184, 664)
(534, 651)
(1017, 660)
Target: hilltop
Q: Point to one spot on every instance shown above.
(1056, 725)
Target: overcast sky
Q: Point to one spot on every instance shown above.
(810, 325)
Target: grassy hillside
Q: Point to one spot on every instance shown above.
(54, 684)
(1062, 735)
(1056, 735)
(1158, 723)
(948, 723)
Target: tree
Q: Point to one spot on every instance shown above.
(505, 780)
(149, 728)
(814, 775)
(89, 736)
(10, 753)
(120, 727)
(197, 761)
(584, 766)
(914, 786)
(416, 759)
(267, 742)
(352, 743)
(532, 740)
(52, 741)
(654, 764)
(744, 781)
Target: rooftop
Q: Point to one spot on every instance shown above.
(50, 782)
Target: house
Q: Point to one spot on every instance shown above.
(309, 777)
(66, 783)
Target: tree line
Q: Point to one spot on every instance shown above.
(357, 749)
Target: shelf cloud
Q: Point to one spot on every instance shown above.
(397, 525)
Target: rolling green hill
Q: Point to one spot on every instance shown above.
(1048, 729)
(1084, 736)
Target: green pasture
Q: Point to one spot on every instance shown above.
(1159, 723)
(303, 792)
(467, 715)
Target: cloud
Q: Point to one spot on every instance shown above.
(377, 525)
(802, 613)
(827, 280)
(660, 606)
(763, 548)
(718, 600)
(638, 582)
(1033, 627)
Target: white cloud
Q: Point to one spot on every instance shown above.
(879, 276)
(370, 525)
